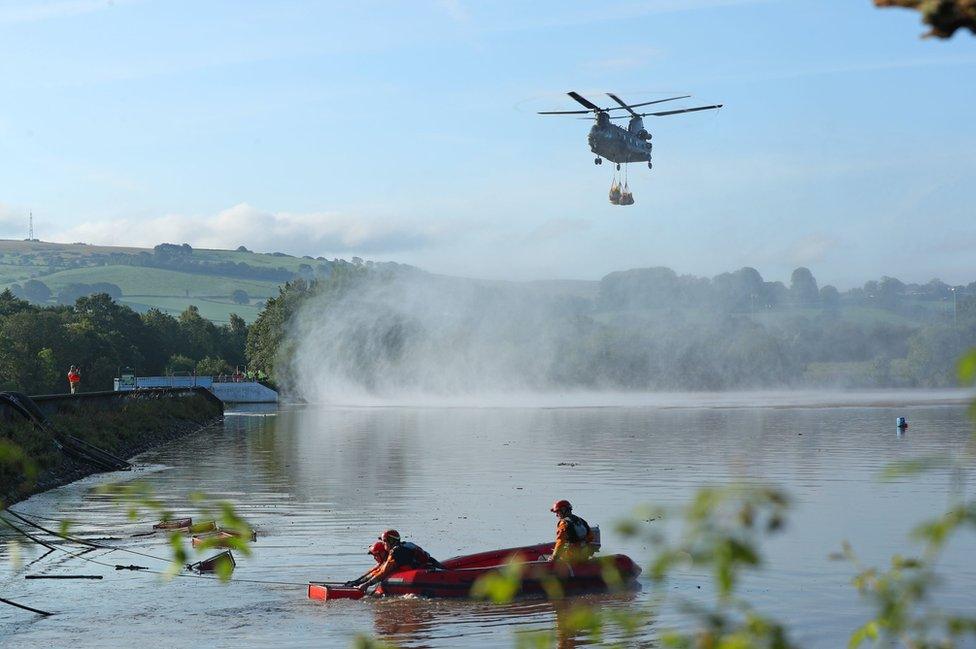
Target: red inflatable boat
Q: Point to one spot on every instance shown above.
(463, 571)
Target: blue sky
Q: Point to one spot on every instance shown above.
(406, 131)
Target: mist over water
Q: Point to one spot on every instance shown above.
(422, 335)
(409, 337)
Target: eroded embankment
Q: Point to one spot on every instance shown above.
(124, 424)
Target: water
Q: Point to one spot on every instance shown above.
(321, 483)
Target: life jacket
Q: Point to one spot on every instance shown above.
(410, 555)
(579, 530)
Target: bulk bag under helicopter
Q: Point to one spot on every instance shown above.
(626, 197)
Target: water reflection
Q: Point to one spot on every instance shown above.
(321, 483)
(414, 622)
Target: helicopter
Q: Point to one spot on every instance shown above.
(618, 144)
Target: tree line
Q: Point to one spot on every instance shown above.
(646, 329)
(38, 344)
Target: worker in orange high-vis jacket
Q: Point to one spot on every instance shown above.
(404, 555)
(379, 552)
(74, 379)
(574, 538)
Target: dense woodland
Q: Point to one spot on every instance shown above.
(642, 329)
(38, 344)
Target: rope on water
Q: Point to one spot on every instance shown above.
(140, 569)
(26, 608)
(90, 544)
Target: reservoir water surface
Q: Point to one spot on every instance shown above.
(320, 483)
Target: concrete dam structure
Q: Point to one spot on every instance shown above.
(228, 391)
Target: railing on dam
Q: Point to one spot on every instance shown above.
(229, 389)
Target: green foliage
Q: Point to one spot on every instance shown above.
(120, 431)
(38, 344)
(212, 367)
(36, 291)
(179, 364)
(14, 463)
(943, 17)
(500, 586)
(365, 642)
(966, 369)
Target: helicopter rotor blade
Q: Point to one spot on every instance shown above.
(622, 104)
(583, 100)
(683, 110)
(593, 108)
(656, 101)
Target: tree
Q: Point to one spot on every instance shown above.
(803, 287)
(36, 291)
(240, 296)
(233, 340)
(162, 340)
(11, 303)
(943, 16)
(829, 298)
(180, 363)
(890, 292)
(112, 290)
(70, 293)
(199, 334)
(209, 366)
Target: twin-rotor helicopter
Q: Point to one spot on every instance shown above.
(616, 143)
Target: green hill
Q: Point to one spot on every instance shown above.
(168, 277)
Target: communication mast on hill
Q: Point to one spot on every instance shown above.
(30, 226)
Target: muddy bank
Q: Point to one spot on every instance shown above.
(124, 424)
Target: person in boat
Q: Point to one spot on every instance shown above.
(403, 555)
(574, 538)
(379, 552)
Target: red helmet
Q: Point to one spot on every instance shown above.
(378, 550)
(561, 505)
(390, 537)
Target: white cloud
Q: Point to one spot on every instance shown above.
(316, 233)
(13, 222)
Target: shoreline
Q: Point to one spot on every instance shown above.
(772, 399)
(124, 424)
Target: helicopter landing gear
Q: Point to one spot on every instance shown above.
(598, 161)
(618, 166)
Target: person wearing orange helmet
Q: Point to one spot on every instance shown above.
(573, 535)
(403, 555)
(379, 552)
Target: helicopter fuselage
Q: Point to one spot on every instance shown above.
(619, 144)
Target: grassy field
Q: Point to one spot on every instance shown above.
(157, 282)
(216, 310)
(143, 287)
